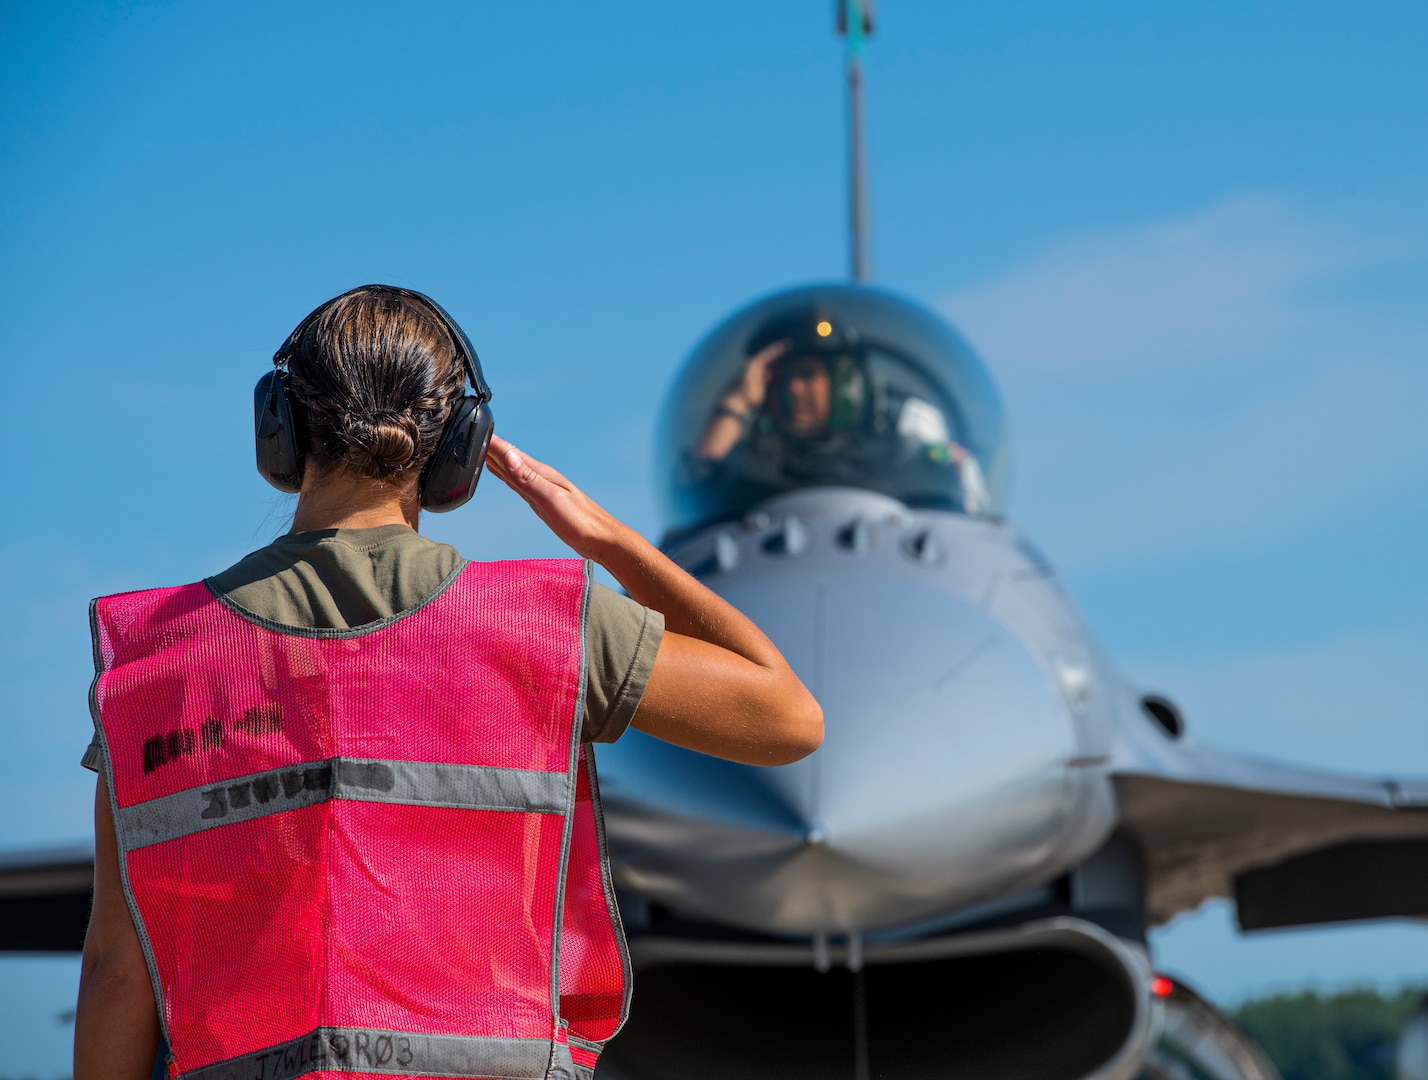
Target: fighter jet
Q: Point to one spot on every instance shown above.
(960, 881)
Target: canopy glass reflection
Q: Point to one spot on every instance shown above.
(836, 385)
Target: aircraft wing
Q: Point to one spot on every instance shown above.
(1291, 846)
(44, 898)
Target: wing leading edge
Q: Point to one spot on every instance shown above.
(1291, 846)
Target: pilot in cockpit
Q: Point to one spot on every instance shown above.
(811, 406)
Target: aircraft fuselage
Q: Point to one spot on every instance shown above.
(966, 728)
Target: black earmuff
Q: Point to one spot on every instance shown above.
(279, 459)
(448, 479)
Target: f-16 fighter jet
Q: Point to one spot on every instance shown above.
(959, 883)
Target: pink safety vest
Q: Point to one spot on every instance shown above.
(365, 852)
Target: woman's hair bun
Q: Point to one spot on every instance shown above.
(382, 442)
(373, 377)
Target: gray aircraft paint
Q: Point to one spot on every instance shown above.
(957, 763)
(975, 736)
(980, 747)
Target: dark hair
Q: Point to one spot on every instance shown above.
(372, 377)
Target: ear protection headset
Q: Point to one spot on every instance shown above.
(448, 479)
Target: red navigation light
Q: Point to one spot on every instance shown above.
(1160, 986)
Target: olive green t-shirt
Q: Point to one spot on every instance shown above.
(350, 577)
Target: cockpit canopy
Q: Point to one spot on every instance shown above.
(830, 385)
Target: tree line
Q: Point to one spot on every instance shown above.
(1350, 1035)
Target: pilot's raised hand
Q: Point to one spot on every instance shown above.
(747, 393)
(753, 385)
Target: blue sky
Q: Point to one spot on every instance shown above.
(1190, 242)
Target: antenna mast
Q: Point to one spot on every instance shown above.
(855, 24)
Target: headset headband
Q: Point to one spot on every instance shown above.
(459, 340)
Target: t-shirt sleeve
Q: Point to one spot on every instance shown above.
(621, 641)
(93, 759)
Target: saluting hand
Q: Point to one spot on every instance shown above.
(577, 519)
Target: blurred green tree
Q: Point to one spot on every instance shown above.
(1351, 1035)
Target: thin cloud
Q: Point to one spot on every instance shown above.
(1220, 282)
(1201, 382)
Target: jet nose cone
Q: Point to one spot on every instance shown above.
(945, 744)
(942, 777)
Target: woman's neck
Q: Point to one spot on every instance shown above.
(339, 499)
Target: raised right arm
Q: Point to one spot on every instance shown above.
(718, 685)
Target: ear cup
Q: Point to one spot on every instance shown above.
(449, 478)
(275, 433)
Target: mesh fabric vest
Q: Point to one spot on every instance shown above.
(365, 852)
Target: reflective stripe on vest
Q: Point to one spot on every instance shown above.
(417, 783)
(397, 1053)
(373, 851)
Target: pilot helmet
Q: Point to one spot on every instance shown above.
(819, 387)
(810, 329)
